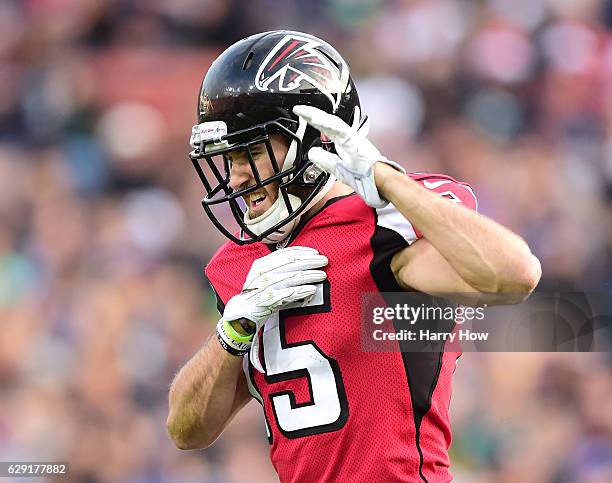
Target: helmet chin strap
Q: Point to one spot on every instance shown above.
(278, 211)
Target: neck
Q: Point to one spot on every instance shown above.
(337, 189)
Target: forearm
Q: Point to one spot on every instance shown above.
(486, 255)
(202, 396)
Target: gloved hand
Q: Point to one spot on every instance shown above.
(280, 280)
(354, 163)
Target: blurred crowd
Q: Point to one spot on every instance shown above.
(103, 240)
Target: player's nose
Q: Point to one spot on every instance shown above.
(240, 175)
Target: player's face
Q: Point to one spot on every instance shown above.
(241, 175)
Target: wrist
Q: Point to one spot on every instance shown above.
(385, 175)
(244, 327)
(231, 340)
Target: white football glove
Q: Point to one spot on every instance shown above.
(354, 163)
(280, 280)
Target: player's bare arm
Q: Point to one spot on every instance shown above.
(211, 388)
(421, 267)
(205, 395)
(461, 252)
(488, 258)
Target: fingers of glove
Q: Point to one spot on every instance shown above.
(301, 293)
(359, 152)
(303, 277)
(289, 295)
(291, 249)
(310, 277)
(277, 281)
(325, 160)
(285, 260)
(280, 256)
(332, 126)
(268, 276)
(301, 262)
(239, 307)
(306, 263)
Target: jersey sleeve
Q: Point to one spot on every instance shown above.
(445, 186)
(215, 281)
(448, 188)
(394, 232)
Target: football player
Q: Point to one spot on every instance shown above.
(322, 217)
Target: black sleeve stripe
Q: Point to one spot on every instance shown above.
(389, 217)
(385, 243)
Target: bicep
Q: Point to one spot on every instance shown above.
(421, 267)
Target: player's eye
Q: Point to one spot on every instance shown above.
(243, 158)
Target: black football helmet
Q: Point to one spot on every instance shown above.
(247, 96)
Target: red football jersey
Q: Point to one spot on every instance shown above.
(334, 412)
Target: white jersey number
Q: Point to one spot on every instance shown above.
(327, 408)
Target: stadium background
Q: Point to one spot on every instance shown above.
(102, 238)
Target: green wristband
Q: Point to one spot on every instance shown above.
(231, 332)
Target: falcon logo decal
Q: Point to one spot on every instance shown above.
(295, 62)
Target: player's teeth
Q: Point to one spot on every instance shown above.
(258, 198)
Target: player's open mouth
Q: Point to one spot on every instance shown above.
(256, 199)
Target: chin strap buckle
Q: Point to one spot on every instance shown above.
(311, 174)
